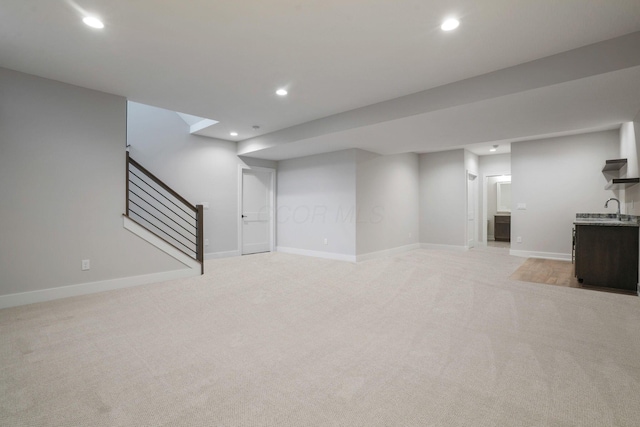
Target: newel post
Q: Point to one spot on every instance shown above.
(200, 220)
(126, 194)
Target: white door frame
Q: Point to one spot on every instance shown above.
(474, 204)
(272, 198)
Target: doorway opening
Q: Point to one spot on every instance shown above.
(496, 230)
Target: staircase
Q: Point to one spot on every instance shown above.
(161, 212)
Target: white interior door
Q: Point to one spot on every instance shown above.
(257, 211)
(471, 210)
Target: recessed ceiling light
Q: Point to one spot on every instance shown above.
(281, 92)
(93, 22)
(450, 24)
(233, 133)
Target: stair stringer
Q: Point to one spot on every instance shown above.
(159, 243)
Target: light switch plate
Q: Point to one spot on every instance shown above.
(522, 206)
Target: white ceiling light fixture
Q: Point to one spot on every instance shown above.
(93, 22)
(495, 147)
(281, 92)
(450, 24)
(233, 133)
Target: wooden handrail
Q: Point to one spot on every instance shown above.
(159, 182)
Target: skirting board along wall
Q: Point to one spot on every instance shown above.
(192, 268)
(544, 255)
(226, 254)
(443, 247)
(349, 258)
(24, 298)
(387, 252)
(317, 254)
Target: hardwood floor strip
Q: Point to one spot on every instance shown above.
(557, 273)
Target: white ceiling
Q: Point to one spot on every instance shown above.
(224, 60)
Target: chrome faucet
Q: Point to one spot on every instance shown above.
(606, 205)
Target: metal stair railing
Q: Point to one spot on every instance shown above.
(161, 210)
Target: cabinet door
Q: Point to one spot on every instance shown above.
(502, 228)
(607, 256)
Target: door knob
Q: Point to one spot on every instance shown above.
(243, 216)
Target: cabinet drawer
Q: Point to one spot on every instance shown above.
(502, 219)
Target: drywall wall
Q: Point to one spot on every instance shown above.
(443, 198)
(201, 169)
(628, 148)
(316, 200)
(556, 178)
(490, 165)
(497, 164)
(471, 162)
(62, 186)
(629, 141)
(387, 200)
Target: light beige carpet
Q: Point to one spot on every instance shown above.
(426, 338)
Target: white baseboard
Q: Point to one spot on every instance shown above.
(226, 254)
(544, 255)
(387, 252)
(43, 295)
(443, 247)
(317, 254)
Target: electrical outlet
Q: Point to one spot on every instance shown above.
(326, 241)
(206, 242)
(86, 264)
(519, 239)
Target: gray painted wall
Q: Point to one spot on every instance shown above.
(62, 186)
(557, 178)
(62, 173)
(201, 169)
(629, 142)
(387, 198)
(443, 198)
(316, 199)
